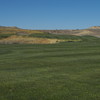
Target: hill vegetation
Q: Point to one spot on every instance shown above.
(12, 35)
(93, 31)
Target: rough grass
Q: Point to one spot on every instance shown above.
(64, 71)
(3, 36)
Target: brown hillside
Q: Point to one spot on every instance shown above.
(93, 31)
(16, 30)
(94, 27)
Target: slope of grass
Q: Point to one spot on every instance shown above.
(2, 36)
(64, 71)
(73, 37)
(48, 35)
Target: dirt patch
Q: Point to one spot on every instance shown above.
(28, 40)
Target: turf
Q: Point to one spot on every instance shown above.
(64, 71)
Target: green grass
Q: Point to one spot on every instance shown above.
(67, 37)
(5, 35)
(64, 71)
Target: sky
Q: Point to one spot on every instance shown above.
(50, 14)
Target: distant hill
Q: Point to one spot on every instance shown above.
(92, 31)
(16, 30)
(7, 27)
(15, 35)
(94, 27)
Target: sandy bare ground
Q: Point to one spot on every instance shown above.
(28, 40)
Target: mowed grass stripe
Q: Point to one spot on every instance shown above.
(66, 71)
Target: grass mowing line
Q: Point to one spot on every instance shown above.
(50, 72)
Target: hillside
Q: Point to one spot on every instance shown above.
(16, 30)
(15, 35)
(92, 31)
(94, 27)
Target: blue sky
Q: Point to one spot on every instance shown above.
(50, 14)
